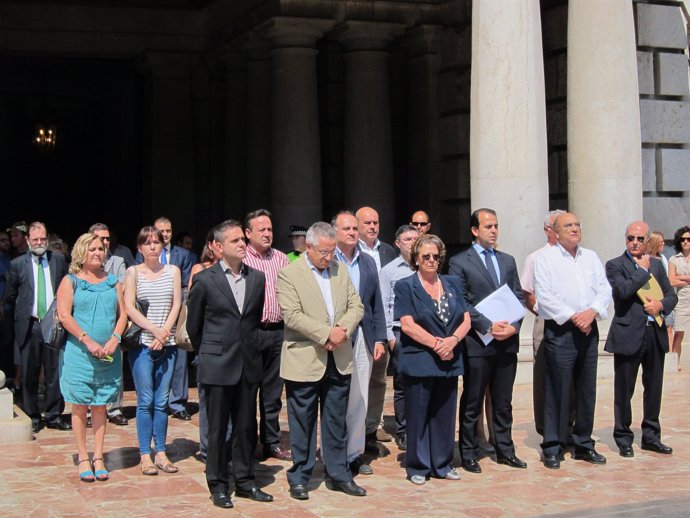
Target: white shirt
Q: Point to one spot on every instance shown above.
(373, 252)
(527, 277)
(323, 281)
(49, 284)
(565, 285)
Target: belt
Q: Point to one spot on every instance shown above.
(271, 326)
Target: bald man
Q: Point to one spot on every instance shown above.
(382, 253)
(421, 221)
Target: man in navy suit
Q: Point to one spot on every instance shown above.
(483, 269)
(179, 387)
(635, 339)
(369, 340)
(31, 285)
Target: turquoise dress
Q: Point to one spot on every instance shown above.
(84, 379)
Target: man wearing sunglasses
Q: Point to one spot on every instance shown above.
(483, 269)
(638, 337)
(420, 220)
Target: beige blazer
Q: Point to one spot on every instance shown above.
(306, 320)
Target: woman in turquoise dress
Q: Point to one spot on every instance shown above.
(91, 308)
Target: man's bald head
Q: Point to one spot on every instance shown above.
(421, 221)
(368, 225)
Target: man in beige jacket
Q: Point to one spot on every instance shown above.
(321, 310)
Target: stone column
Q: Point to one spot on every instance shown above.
(295, 143)
(259, 128)
(604, 141)
(168, 180)
(368, 153)
(508, 155)
(422, 43)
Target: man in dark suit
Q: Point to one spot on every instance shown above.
(369, 243)
(179, 386)
(483, 269)
(223, 316)
(369, 341)
(31, 285)
(635, 338)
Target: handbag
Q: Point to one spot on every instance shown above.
(54, 335)
(130, 339)
(181, 335)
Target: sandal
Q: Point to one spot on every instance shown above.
(86, 475)
(101, 474)
(148, 469)
(166, 466)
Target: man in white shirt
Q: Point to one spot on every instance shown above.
(573, 293)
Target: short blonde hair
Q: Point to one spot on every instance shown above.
(654, 239)
(81, 247)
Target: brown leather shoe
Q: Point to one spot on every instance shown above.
(277, 452)
(383, 436)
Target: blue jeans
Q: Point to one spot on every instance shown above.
(152, 372)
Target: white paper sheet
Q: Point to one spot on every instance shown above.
(501, 305)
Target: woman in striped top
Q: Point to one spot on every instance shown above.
(153, 360)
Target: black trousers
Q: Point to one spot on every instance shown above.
(571, 359)
(35, 356)
(271, 388)
(398, 387)
(651, 357)
(329, 395)
(496, 372)
(237, 403)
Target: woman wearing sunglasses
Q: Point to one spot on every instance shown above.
(679, 275)
(433, 320)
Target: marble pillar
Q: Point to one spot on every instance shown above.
(604, 149)
(295, 144)
(508, 151)
(368, 152)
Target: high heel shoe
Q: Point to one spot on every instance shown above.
(101, 474)
(86, 475)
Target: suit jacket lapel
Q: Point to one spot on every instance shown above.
(424, 297)
(308, 279)
(52, 265)
(221, 280)
(478, 262)
(28, 261)
(252, 286)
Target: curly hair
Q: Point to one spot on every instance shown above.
(676, 238)
(427, 239)
(81, 248)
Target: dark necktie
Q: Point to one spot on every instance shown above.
(41, 308)
(490, 267)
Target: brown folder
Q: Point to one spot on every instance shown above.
(651, 289)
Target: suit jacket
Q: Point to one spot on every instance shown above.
(477, 285)
(386, 253)
(115, 265)
(374, 320)
(307, 323)
(20, 289)
(412, 300)
(181, 258)
(225, 339)
(629, 323)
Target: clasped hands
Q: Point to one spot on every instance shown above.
(101, 351)
(444, 347)
(160, 338)
(583, 320)
(502, 330)
(336, 338)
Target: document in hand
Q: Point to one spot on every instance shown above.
(651, 289)
(501, 305)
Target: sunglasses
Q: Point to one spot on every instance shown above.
(419, 223)
(429, 257)
(639, 239)
(685, 239)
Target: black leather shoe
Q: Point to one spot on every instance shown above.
(626, 451)
(118, 419)
(182, 415)
(590, 456)
(552, 462)
(36, 425)
(401, 441)
(657, 447)
(357, 467)
(511, 461)
(299, 492)
(561, 456)
(276, 452)
(349, 488)
(253, 494)
(471, 465)
(221, 499)
(59, 424)
(371, 444)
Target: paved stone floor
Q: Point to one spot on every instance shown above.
(40, 478)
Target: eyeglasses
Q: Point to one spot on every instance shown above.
(325, 253)
(429, 257)
(685, 239)
(419, 223)
(639, 239)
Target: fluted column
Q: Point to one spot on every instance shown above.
(368, 152)
(295, 143)
(604, 140)
(259, 128)
(508, 152)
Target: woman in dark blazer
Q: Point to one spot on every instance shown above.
(433, 320)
